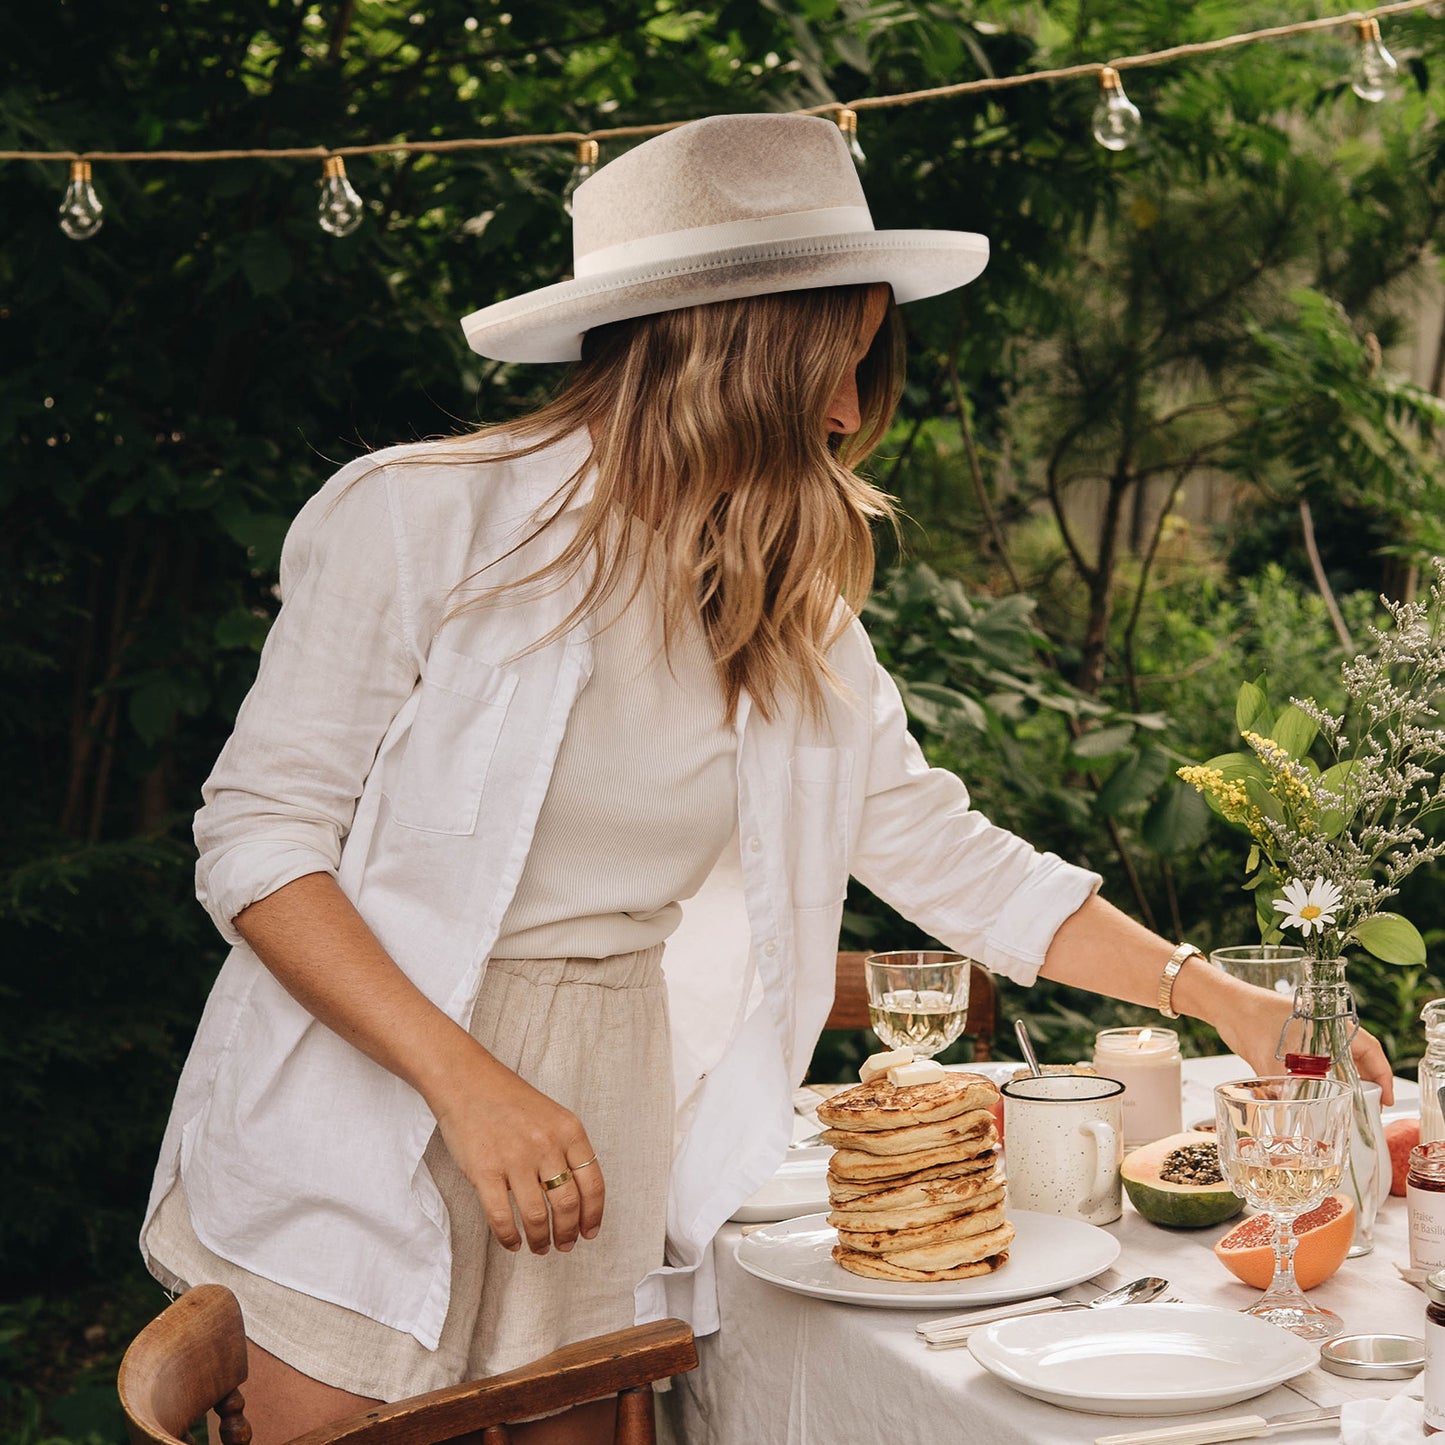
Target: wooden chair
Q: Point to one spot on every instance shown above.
(850, 1003)
(192, 1358)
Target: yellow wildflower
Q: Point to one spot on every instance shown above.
(1231, 797)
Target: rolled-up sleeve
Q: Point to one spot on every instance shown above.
(339, 662)
(924, 850)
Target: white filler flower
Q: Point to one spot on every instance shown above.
(1310, 909)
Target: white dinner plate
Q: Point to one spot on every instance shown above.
(1048, 1254)
(799, 1187)
(996, 1071)
(1141, 1359)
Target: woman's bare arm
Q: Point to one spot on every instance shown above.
(504, 1134)
(1103, 950)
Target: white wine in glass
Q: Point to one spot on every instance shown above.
(1287, 1175)
(919, 998)
(1282, 1144)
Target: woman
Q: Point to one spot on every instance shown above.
(529, 692)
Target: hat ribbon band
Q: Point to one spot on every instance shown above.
(675, 245)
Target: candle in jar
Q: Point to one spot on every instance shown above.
(1146, 1062)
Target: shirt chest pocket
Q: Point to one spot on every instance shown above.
(821, 784)
(460, 713)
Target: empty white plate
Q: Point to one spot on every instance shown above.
(1145, 1359)
(799, 1187)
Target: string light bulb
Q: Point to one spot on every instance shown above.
(848, 124)
(587, 153)
(340, 210)
(1373, 73)
(81, 214)
(1116, 118)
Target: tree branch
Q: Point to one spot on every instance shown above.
(1056, 498)
(1307, 526)
(985, 503)
(1146, 567)
(339, 29)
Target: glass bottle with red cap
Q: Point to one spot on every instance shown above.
(1317, 1042)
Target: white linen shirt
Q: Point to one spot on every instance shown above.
(405, 748)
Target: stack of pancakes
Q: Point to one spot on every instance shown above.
(913, 1182)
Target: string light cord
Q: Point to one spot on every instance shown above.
(1130, 62)
(831, 108)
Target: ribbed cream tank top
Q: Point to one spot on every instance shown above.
(642, 799)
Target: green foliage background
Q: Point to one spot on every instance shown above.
(1220, 298)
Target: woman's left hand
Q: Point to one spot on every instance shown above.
(1099, 948)
(1253, 1026)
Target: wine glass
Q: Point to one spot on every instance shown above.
(1277, 966)
(919, 998)
(1282, 1145)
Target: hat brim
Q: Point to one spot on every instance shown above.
(548, 324)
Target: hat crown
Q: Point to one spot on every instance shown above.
(718, 171)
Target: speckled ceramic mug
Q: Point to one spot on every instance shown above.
(1063, 1141)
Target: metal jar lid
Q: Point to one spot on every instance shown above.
(1375, 1357)
(1435, 1287)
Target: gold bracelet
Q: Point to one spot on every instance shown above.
(1177, 960)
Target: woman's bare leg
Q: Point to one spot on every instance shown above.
(591, 1424)
(282, 1403)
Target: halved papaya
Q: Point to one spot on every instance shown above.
(1176, 1181)
(1323, 1238)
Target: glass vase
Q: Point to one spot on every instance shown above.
(1323, 1024)
(1432, 1072)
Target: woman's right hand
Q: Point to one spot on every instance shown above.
(507, 1137)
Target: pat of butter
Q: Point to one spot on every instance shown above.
(920, 1071)
(876, 1065)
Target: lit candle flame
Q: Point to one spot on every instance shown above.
(1144, 1036)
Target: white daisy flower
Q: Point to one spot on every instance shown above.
(1308, 909)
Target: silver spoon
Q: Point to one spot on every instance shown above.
(954, 1330)
(1026, 1045)
(1136, 1292)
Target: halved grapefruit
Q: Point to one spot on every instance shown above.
(1324, 1237)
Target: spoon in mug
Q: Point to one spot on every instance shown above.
(1026, 1047)
(955, 1329)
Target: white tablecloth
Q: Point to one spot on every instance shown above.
(790, 1370)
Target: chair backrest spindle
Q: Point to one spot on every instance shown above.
(235, 1427)
(635, 1424)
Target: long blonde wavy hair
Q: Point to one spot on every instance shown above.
(709, 424)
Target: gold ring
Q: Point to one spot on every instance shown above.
(557, 1180)
(584, 1164)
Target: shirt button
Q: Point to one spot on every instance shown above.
(770, 949)
(755, 844)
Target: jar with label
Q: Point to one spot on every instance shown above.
(1425, 1205)
(1432, 1071)
(1434, 1381)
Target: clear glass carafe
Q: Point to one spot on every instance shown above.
(1432, 1071)
(1324, 1023)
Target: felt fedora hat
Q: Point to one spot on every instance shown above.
(734, 205)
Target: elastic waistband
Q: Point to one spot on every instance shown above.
(642, 969)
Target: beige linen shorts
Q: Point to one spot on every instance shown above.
(591, 1034)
